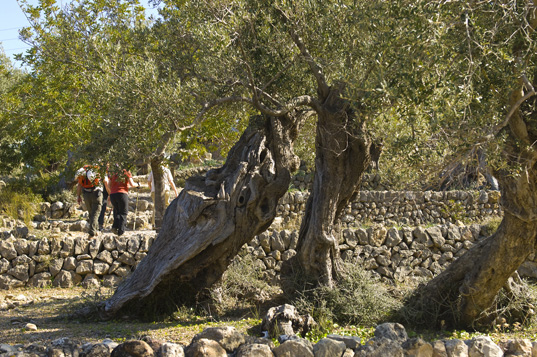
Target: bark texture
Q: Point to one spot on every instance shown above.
(158, 179)
(205, 227)
(342, 155)
(463, 295)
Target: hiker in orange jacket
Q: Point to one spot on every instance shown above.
(90, 187)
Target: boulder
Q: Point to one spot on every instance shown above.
(391, 331)
(204, 347)
(327, 347)
(66, 279)
(228, 337)
(285, 320)
(133, 348)
(169, 349)
(255, 349)
(483, 346)
(293, 348)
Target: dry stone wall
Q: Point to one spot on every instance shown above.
(394, 254)
(368, 236)
(410, 208)
(67, 261)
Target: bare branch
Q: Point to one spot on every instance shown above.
(314, 66)
(208, 106)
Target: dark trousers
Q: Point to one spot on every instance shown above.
(120, 202)
(103, 208)
(93, 200)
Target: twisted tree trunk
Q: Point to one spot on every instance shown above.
(464, 293)
(342, 154)
(213, 217)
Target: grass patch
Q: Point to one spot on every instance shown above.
(19, 205)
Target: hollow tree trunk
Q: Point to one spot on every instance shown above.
(341, 156)
(213, 217)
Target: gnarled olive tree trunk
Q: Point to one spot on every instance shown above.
(464, 293)
(342, 149)
(205, 227)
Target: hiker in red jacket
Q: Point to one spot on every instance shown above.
(118, 184)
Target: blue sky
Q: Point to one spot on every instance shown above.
(12, 19)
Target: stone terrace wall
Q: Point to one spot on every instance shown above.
(67, 261)
(393, 253)
(400, 208)
(407, 253)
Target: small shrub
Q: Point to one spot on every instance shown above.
(359, 298)
(242, 286)
(65, 196)
(490, 226)
(18, 205)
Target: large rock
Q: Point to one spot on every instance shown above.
(66, 279)
(416, 347)
(228, 337)
(285, 320)
(169, 349)
(254, 349)
(204, 347)
(294, 347)
(391, 331)
(7, 250)
(456, 348)
(351, 342)
(133, 348)
(380, 348)
(4, 265)
(9, 282)
(519, 347)
(483, 346)
(327, 347)
(40, 280)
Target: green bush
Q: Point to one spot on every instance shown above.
(358, 298)
(18, 205)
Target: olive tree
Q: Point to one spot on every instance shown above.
(488, 70)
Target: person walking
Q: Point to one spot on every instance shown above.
(89, 187)
(102, 214)
(167, 178)
(118, 184)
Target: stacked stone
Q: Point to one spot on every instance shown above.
(408, 253)
(69, 261)
(394, 254)
(182, 175)
(403, 207)
(391, 339)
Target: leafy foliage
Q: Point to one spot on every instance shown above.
(18, 204)
(359, 298)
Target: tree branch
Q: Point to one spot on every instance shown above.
(315, 68)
